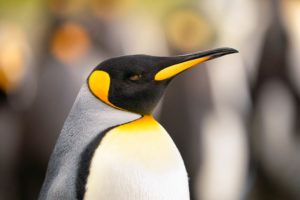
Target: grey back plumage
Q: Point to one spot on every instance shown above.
(88, 117)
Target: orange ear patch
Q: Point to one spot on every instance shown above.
(99, 84)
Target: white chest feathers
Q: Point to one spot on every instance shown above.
(137, 161)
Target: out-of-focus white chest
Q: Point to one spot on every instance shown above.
(137, 161)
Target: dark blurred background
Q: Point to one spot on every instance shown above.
(234, 119)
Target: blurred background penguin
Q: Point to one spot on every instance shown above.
(236, 118)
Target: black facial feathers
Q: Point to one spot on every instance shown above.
(132, 85)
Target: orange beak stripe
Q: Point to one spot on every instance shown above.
(173, 70)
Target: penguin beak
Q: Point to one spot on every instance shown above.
(185, 62)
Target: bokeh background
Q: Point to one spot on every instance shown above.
(234, 119)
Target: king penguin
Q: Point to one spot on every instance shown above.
(110, 147)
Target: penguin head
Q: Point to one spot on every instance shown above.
(136, 83)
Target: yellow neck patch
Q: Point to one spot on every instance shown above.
(99, 84)
(176, 69)
(147, 122)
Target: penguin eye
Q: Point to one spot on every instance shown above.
(135, 77)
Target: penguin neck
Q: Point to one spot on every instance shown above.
(145, 123)
(95, 110)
